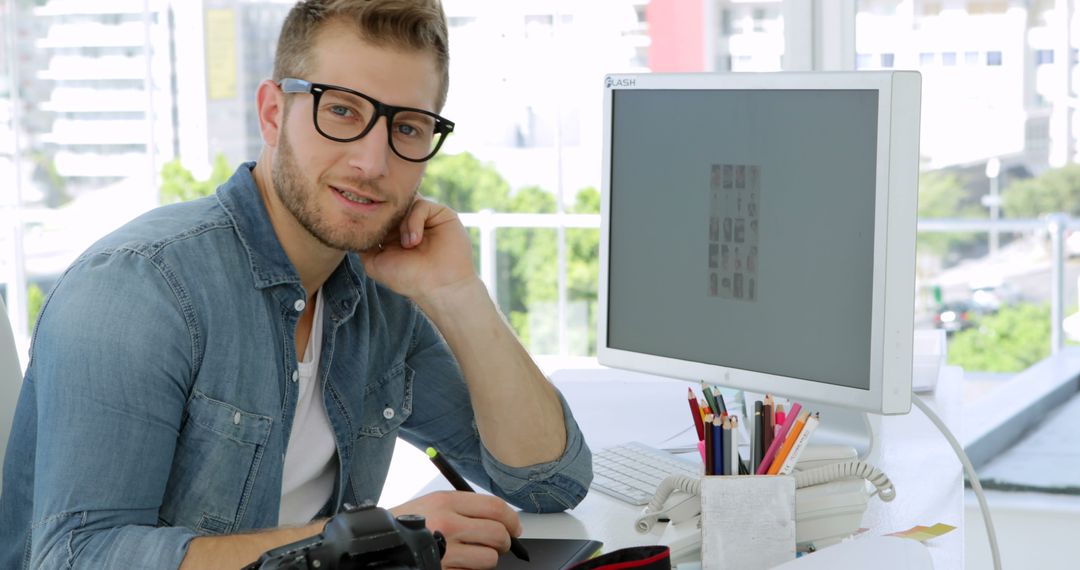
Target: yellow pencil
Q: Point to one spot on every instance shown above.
(789, 441)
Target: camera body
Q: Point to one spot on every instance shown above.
(361, 537)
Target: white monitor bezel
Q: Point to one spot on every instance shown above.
(896, 188)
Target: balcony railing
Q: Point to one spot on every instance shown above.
(1054, 226)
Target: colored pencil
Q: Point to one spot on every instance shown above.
(718, 446)
(766, 460)
(719, 398)
(789, 441)
(695, 411)
(800, 445)
(709, 398)
(769, 419)
(708, 446)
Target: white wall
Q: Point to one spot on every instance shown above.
(1034, 530)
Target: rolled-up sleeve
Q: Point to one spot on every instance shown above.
(89, 539)
(547, 487)
(443, 417)
(111, 357)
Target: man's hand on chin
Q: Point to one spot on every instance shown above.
(428, 255)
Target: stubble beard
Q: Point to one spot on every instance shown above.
(301, 200)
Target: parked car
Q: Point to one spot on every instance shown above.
(956, 316)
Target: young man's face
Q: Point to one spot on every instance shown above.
(350, 195)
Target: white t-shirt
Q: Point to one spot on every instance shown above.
(311, 458)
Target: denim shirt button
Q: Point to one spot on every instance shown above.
(295, 375)
(388, 413)
(236, 418)
(299, 305)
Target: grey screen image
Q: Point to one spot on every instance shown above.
(742, 229)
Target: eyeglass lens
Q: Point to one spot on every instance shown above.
(343, 115)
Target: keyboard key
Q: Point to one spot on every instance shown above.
(631, 472)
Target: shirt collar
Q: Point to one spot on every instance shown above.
(241, 200)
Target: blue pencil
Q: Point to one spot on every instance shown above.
(718, 446)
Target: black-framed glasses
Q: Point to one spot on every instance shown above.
(344, 115)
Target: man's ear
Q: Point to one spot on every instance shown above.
(271, 105)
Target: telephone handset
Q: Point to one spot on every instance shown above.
(830, 500)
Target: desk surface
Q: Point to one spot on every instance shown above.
(615, 406)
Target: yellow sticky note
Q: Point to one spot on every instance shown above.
(923, 533)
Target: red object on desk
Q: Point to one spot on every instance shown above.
(695, 411)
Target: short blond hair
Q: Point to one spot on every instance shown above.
(418, 25)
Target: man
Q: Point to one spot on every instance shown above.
(246, 361)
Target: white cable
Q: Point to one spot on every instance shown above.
(972, 477)
(654, 510)
(847, 470)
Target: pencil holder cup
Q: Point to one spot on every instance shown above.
(747, 521)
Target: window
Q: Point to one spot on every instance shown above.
(976, 110)
(527, 94)
(87, 138)
(539, 26)
(759, 19)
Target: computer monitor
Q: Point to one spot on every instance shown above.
(758, 232)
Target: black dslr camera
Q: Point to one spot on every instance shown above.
(361, 537)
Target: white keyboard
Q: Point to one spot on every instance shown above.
(631, 472)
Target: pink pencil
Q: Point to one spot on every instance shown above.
(777, 441)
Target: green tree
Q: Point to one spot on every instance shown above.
(1056, 190)
(587, 201)
(583, 271)
(528, 256)
(1009, 341)
(527, 272)
(35, 300)
(465, 184)
(942, 195)
(48, 176)
(178, 184)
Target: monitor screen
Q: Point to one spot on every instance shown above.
(747, 227)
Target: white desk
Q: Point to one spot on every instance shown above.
(615, 406)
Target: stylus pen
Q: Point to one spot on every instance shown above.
(460, 484)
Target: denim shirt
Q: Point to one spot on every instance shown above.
(163, 381)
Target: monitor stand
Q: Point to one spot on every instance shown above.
(839, 426)
(843, 426)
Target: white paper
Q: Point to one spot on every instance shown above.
(747, 522)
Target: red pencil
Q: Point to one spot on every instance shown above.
(709, 446)
(695, 411)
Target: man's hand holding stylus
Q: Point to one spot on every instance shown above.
(477, 527)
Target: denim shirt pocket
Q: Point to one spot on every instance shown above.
(217, 458)
(387, 402)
